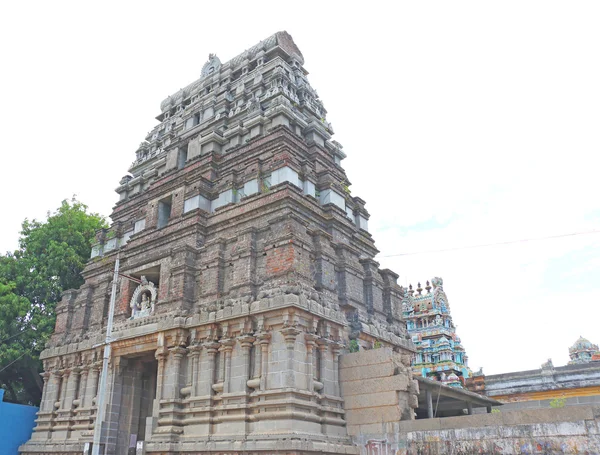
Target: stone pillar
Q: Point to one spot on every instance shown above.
(66, 373)
(44, 405)
(44, 422)
(161, 356)
(323, 348)
(311, 358)
(336, 349)
(211, 348)
(194, 353)
(257, 365)
(171, 385)
(289, 335)
(488, 409)
(263, 339)
(469, 408)
(225, 373)
(81, 390)
(246, 343)
(92, 386)
(190, 369)
(56, 384)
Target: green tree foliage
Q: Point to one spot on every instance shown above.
(49, 260)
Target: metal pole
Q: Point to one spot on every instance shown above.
(102, 387)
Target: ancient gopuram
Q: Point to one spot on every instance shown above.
(247, 271)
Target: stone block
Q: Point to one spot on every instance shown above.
(353, 430)
(481, 420)
(373, 429)
(408, 426)
(374, 385)
(374, 415)
(369, 400)
(380, 370)
(370, 357)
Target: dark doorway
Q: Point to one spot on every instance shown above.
(137, 397)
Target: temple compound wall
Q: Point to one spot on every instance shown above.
(575, 384)
(574, 430)
(247, 268)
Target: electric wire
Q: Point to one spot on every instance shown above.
(484, 245)
(16, 334)
(22, 355)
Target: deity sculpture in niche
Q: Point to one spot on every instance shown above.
(143, 299)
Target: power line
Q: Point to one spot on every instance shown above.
(26, 352)
(16, 334)
(508, 242)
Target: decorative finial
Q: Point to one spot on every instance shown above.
(410, 290)
(419, 288)
(428, 287)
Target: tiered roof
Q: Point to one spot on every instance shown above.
(440, 354)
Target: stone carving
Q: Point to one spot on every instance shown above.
(211, 67)
(548, 364)
(253, 104)
(143, 299)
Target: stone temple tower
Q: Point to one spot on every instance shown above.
(249, 268)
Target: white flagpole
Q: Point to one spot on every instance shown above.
(101, 405)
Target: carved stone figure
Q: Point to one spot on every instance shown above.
(143, 299)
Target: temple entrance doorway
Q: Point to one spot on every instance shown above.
(138, 391)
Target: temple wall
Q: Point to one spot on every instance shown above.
(543, 431)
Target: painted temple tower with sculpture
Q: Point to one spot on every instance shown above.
(440, 355)
(246, 269)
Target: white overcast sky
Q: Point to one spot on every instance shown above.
(464, 123)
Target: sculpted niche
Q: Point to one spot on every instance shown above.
(143, 299)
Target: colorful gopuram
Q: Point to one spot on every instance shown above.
(440, 354)
(583, 351)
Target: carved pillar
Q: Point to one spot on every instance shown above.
(254, 383)
(263, 339)
(225, 374)
(66, 373)
(81, 390)
(44, 405)
(246, 343)
(174, 372)
(289, 335)
(336, 349)
(211, 348)
(44, 420)
(323, 348)
(311, 358)
(194, 353)
(161, 356)
(93, 383)
(56, 380)
(190, 369)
